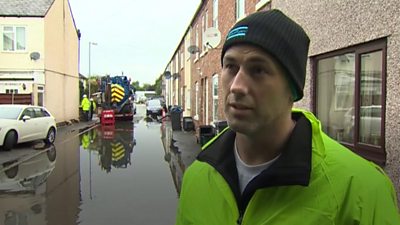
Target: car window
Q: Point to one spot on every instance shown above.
(9, 112)
(38, 112)
(154, 103)
(45, 113)
(28, 112)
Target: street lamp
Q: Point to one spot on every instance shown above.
(90, 45)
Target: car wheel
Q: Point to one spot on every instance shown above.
(10, 140)
(13, 171)
(51, 154)
(51, 136)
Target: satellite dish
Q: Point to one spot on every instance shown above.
(167, 75)
(35, 55)
(193, 49)
(212, 37)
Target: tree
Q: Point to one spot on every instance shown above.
(158, 85)
(136, 86)
(148, 87)
(94, 85)
(81, 90)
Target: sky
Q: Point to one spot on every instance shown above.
(134, 37)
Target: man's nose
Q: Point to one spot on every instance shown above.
(239, 83)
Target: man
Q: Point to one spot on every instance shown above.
(85, 105)
(273, 164)
(92, 108)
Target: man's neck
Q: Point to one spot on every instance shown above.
(265, 146)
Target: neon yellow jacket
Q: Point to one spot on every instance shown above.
(315, 181)
(85, 104)
(85, 141)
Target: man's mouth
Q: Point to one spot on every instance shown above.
(239, 106)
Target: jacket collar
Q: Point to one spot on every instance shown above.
(292, 168)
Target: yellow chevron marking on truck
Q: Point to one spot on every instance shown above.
(118, 90)
(117, 93)
(116, 97)
(118, 151)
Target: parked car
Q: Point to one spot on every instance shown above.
(154, 107)
(24, 123)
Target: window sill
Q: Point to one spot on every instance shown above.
(261, 4)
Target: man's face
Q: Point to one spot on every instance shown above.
(257, 94)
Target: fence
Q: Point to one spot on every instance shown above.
(25, 99)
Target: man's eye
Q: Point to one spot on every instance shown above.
(258, 70)
(230, 67)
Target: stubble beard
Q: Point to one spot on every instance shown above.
(246, 126)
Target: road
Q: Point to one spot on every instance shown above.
(97, 175)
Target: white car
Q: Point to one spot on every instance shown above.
(24, 123)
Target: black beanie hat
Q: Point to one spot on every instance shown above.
(280, 37)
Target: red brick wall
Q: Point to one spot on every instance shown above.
(210, 62)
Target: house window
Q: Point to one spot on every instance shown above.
(204, 25)
(14, 38)
(197, 98)
(11, 91)
(240, 12)
(206, 99)
(350, 97)
(40, 91)
(187, 96)
(215, 97)
(197, 41)
(177, 61)
(215, 13)
(182, 59)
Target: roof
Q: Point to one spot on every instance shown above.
(25, 8)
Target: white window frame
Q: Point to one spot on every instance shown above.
(215, 14)
(197, 54)
(187, 99)
(240, 9)
(204, 28)
(40, 94)
(206, 101)
(261, 4)
(176, 62)
(215, 97)
(14, 38)
(182, 59)
(197, 98)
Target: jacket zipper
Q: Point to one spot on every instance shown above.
(240, 219)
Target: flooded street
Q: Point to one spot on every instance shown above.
(125, 183)
(115, 175)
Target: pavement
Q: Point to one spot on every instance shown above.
(77, 125)
(185, 142)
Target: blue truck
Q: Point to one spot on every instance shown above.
(116, 93)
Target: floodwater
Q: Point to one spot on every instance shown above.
(120, 175)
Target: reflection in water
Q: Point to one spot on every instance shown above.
(131, 195)
(172, 156)
(113, 144)
(80, 191)
(23, 188)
